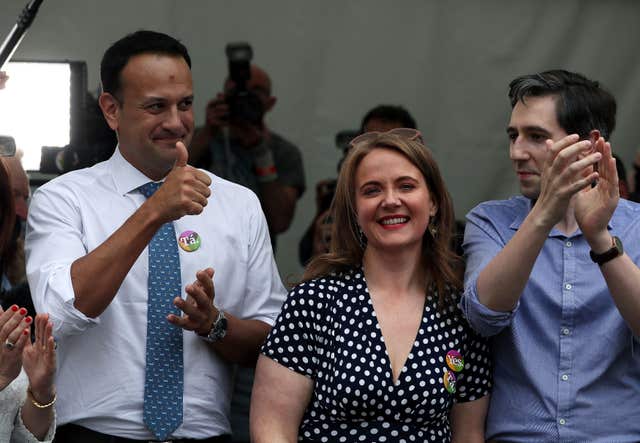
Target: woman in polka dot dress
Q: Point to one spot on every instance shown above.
(371, 346)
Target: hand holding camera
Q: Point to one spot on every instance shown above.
(248, 134)
(243, 105)
(217, 114)
(237, 113)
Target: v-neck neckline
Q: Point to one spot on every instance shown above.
(380, 335)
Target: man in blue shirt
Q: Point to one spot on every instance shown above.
(547, 277)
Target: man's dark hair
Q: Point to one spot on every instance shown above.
(389, 113)
(581, 106)
(140, 42)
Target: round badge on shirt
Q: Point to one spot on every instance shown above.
(449, 381)
(189, 241)
(455, 361)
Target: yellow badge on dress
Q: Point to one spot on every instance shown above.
(449, 381)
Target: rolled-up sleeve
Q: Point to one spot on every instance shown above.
(54, 241)
(482, 242)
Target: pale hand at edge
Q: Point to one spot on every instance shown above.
(39, 360)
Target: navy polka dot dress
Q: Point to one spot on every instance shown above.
(328, 331)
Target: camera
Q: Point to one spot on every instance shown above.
(244, 105)
(7, 146)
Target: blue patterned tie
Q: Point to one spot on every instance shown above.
(163, 383)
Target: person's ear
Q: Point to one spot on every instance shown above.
(270, 103)
(434, 210)
(110, 107)
(594, 135)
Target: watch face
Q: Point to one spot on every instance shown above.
(618, 243)
(615, 251)
(219, 329)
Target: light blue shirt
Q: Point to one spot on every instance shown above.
(566, 365)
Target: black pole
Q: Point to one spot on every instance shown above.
(14, 38)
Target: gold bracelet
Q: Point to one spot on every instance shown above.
(40, 405)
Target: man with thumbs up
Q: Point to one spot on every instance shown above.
(122, 255)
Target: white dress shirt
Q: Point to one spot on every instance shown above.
(101, 368)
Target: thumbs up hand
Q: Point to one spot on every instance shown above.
(182, 155)
(185, 190)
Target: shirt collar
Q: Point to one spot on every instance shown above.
(521, 215)
(126, 177)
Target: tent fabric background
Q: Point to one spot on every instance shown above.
(448, 62)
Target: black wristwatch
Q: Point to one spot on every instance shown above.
(218, 329)
(615, 251)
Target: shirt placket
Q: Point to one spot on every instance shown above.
(567, 344)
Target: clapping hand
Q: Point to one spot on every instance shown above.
(595, 205)
(39, 360)
(568, 170)
(14, 335)
(198, 310)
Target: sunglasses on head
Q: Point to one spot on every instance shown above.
(408, 133)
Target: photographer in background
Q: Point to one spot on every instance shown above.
(235, 142)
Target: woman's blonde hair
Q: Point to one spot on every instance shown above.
(443, 266)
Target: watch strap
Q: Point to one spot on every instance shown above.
(616, 250)
(218, 329)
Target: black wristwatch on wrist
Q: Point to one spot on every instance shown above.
(218, 329)
(616, 250)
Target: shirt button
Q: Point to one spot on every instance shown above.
(565, 331)
(565, 377)
(568, 286)
(562, 421)
(569, 244)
